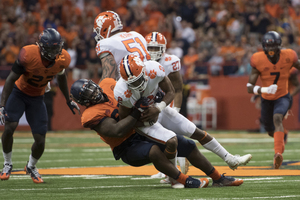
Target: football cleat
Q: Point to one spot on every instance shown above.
(196, 183)
(6, 171)
(175, 184)
(234, 161)
(166, 180)
(35, 176)
(227, 181)
(159, 175)
(278, 158)
(184, 164)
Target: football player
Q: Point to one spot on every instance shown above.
(101, 114)
(113, 44)
(24, 92)
(143, 79)
(273, 67)
(156, 46)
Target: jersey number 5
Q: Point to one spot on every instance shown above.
(277, 75)
(135, 49)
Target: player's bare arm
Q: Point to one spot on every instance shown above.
(152, 112)
(252, 80)
(297, 64)
(111, 128)
(63, 86)
(293, 79)
(176, 80)
(109, 67)
(124, 111)
(8, 86)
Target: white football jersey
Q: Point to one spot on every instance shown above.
(122, 44)
(171, 63)
(127, 97)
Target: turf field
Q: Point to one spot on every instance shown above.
(78, 165)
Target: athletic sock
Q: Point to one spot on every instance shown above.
(217, 148)
(279, 142)
(181, 178)
(214, 175)
(7, 158)
(32, 161)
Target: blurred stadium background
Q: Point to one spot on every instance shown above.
(214, 39)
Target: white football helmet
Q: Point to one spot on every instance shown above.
(156, 45)
(106, 23)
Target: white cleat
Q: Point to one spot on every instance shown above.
(234, 161)
(175, 184)
(159, 175)
(184, 164)
(165, 181)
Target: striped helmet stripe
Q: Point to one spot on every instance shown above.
(154, 36)
(126, 66)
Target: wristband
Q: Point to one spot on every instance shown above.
(136, 114)
(177, 109)
(161, 105)
(264, 90)
(255, 89)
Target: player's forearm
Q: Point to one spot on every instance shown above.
(178, 99)
(124, 126)
(8, 87)
(109, 67)
(63, 86)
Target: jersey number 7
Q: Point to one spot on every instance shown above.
(277, 74)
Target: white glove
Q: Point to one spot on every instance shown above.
(48, 88)
(269, 90)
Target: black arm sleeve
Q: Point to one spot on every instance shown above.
(18, 68)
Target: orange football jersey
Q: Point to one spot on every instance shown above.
(36, 77)
(274, 74)
(94, 114)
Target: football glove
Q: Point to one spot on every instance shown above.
(2, 115)
(142, 104)
(73, 105)
(159, 96)
(272, 89)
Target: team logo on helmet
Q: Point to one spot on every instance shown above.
(132, 70)
(105, 24)
(156, 45)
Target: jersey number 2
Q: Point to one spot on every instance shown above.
(135, 49)
(277, 75)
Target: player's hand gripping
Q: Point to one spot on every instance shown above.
(272, 89)
(73, 105)
(142, 104)
(2, 115)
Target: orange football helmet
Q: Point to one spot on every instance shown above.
(106, 23)
(132, 70)
(156, 45)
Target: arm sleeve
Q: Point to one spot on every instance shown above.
(18, 68)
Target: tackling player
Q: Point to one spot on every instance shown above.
(113, 44)
(143, 79)
(101, 114)
(24, 92)
(273, 67)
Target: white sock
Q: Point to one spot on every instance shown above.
(174, 160)
(32, 161)
(217, 148)
(7, 158)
